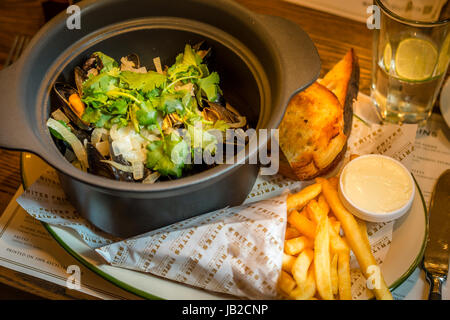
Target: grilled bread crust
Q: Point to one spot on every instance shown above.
(311, 132)
(314, 131)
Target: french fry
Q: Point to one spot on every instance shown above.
(300, 199)
(337, 244)
(301, 266)
(291, 233)
(344, 278)
(297, 245)
(334, 274)
(308, 290)
(334, 181)
(322, 259)
(302, 224)
(353, 156)
(354, 238)
(287, 262)
(315, 211)
(286, 283)
(363, 229)
(322, 202)
(335, 224)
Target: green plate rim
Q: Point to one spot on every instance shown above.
(149, 296)
(419, 257)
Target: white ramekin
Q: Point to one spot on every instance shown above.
(374, 216)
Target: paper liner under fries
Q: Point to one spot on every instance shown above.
(234, 250)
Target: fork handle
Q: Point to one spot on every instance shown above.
(435, 286)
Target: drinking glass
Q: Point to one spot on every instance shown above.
(411, 53)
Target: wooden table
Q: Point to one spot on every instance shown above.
(332, 35)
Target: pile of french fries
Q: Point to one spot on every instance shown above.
(316, 258)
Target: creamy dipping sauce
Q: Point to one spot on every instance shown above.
(377, 184)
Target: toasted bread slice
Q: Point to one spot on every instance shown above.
(311, 133)
(317, 123)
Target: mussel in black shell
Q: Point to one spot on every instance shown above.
(99, 166)
(72, 105)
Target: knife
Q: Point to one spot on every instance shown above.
(436, 258)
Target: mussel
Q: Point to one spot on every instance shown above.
(72, 105)
(97, 165)
(123, 176)
(133, 57)
(62, 145)
(214, 112)
(93, 62)
(92, 66)
(80, 76)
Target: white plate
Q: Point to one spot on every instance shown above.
(405, 253)
(445, 102)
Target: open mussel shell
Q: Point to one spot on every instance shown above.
(98, 167)
(61, 145)
(93, 62)
(80, 77)
(120, 175)
(63, 92)
(133, 57)
(92, 66)
(213, 112)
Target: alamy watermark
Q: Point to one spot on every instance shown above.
(374, 19)
(374, 277)
(74, 20)
(74, 279)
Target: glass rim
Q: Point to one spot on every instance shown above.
(417, 23)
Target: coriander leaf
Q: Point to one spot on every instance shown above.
(209, 86)
(118, 106)
(168, 156)
(153, 94)
(91, 115)
(188, 101)
(190, 57)
(146, 115)
(95, 100)
(95, 116)
(146, 118)
(171, 103)
(100, 83)
(103, 120)
(119, 120)
(179, 71)
(188, 64)
(143, 81)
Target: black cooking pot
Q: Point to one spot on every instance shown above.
(262, 62)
